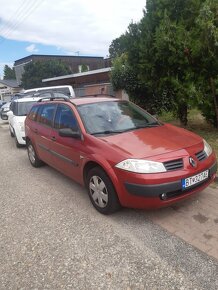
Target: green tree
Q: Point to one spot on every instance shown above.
(172, 53)
(118, 46)
(36, 71)
(84, 68)
(205, 58)
(9, 73)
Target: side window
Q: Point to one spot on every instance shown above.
(33, 113)
(45, 95)
(60, 95)
(12, 107)
(46, 114)
(65, 118)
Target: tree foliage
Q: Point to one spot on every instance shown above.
(36, 71)
(9, 73)
(172, 53)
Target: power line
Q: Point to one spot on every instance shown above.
(15, 14)
(28, 12)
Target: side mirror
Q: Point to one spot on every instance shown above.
(67, 132)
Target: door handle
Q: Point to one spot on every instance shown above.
(53, 138)
(35, 131)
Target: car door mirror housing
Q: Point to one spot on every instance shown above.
(67, 132)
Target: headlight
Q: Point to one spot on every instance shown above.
(141, 166)
(207, 148)
(6, 109)
(21, 125)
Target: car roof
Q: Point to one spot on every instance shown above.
(77, 101)
(28, 99)
(92, 99)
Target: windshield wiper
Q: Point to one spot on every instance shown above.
(107, 132)
(148, 125)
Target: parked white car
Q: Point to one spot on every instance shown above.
(4, 110)
(16, 116)
(66, 89)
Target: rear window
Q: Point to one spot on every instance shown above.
(23, 108)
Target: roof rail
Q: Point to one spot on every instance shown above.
(66, 99)
(96, 95)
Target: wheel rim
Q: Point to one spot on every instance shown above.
(98, 191)
(31, 154)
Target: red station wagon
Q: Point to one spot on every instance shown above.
(117, 150)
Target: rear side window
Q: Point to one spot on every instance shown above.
(33, 113)
(46, 114)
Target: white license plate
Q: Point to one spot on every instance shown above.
(187, 182)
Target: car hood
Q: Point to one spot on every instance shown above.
(153, 141)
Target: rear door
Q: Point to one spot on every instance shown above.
(42, 130)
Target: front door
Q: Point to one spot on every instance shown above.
(66, 150)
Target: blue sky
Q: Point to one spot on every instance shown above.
(11, 50)
(67, 27)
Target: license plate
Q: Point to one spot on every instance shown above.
(187, 182)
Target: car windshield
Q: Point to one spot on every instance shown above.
(23, 108)
(113, 117)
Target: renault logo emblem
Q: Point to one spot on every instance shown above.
(192, 162)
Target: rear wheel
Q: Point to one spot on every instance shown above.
(101, 191)
(34, 159)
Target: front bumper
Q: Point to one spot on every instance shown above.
(170, 189)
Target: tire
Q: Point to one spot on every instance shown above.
(101, 191)
(11, 133)
(33, 158)
(18, 145)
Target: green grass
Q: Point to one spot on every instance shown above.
(197, 124)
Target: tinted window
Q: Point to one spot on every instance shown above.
(65, 118)
(33, 113)
(46, 114)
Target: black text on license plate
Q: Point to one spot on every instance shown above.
(187, 182)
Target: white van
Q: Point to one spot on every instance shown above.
(67, 90)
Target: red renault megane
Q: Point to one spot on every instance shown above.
(117, 150)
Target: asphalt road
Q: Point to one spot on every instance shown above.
(52, 238)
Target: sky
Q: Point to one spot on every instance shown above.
(63, 27)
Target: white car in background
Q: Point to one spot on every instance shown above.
(16, 116)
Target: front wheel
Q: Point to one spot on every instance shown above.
(11, 133)
(34, 159)
(18, 145)
(101, 191)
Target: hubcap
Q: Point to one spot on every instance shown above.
(31, 153)
(98, 191)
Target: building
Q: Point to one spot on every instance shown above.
(75, 63)
(8, 88)
(88, 83)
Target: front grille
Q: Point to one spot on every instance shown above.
(173, 164)
(201, 155)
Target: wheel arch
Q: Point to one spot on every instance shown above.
(106, 167)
